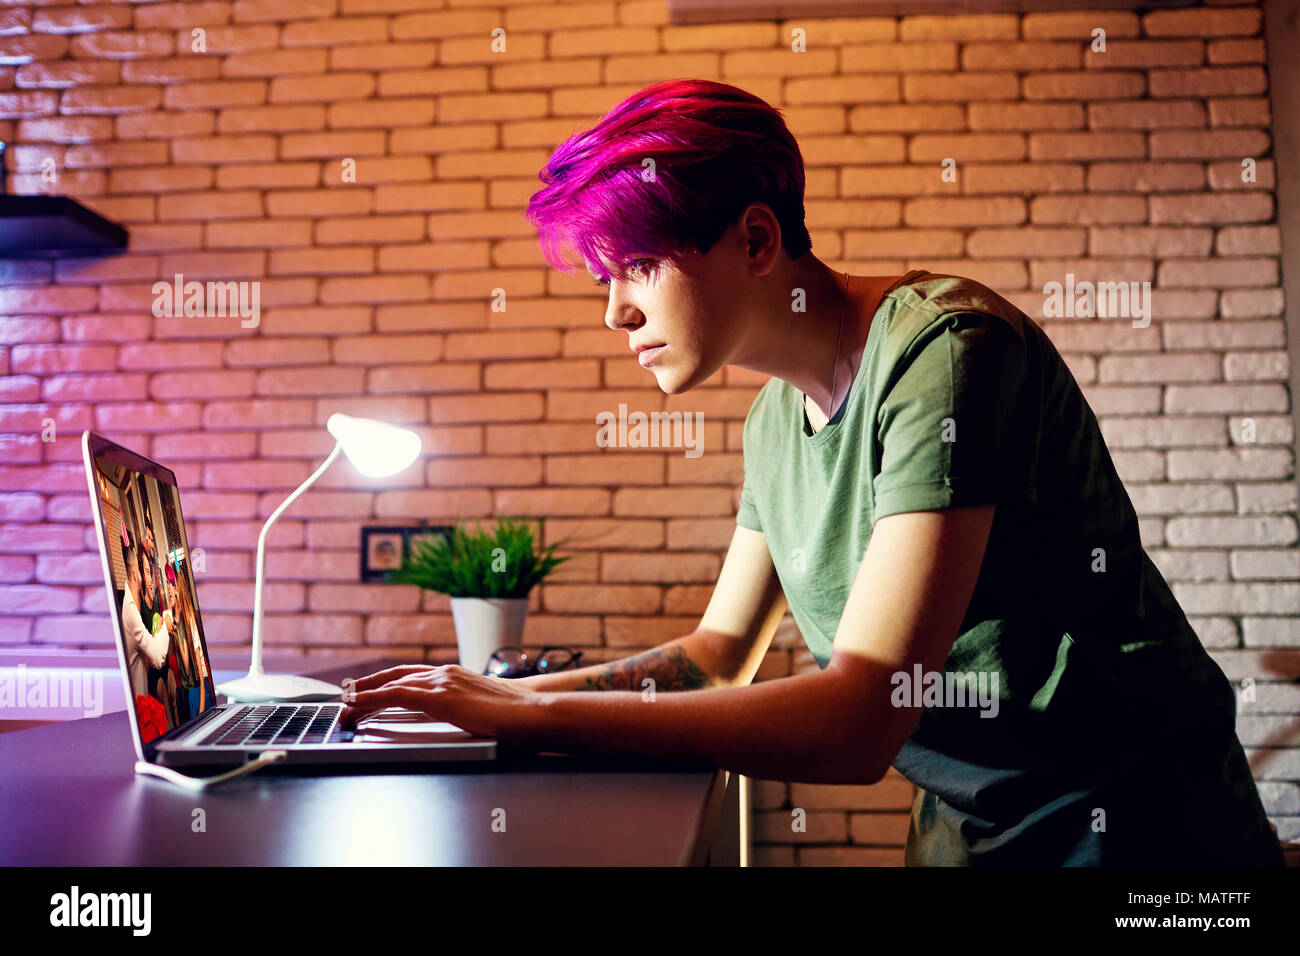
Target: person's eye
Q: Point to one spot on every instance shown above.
(644, 267)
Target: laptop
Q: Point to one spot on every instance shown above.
(176, 717)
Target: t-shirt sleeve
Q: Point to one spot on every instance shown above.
(960, 425)
(747, 506)
(746, 511)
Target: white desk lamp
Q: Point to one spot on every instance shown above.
(377, 450)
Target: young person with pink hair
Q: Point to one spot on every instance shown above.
(928, 492)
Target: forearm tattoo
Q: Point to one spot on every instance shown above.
(672, 669)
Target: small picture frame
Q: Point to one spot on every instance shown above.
(387, 548)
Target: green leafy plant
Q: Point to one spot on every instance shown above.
(501, 564)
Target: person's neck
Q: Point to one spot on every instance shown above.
(800, 347)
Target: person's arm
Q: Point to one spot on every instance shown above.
(835, 726)
(196, 654)
(153, 647)
(196, 646)
(685, 663)
(724, 651)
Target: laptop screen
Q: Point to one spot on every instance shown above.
(151, 580)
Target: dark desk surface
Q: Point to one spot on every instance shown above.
(68, 797)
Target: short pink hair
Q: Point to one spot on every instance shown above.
(716, 149)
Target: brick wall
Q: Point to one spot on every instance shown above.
(226, 164)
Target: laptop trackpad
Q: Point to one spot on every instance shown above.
(399, 725)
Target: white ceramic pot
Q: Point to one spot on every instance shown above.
(485, 624)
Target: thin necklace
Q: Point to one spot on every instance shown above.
(835, 367)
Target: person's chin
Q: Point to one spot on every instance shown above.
(672, 382)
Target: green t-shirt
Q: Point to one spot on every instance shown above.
(1112, 738)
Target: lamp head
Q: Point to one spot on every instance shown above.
(376, 449)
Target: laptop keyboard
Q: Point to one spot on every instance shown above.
(280, 724)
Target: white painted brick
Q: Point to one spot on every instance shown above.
(1179, 305)
(1256, 366)
(1268, 430)
(1182, 367)
(1276, 765)
(1251, 530)
(1122, 399)
(1163, 431)
(1225, 398)
(1226, 174)
(1179, 565)
(996, 273)
(1274, 697)
(1166, 498)
(1138, 465)
(1029, 301)
(1268, 730)
(1216, 631)
(1276, 563)
(1251, 303)
(1160, 241)
(1207, 208)
(1288, 828)
(1258, 665)
(1248, 241)
(1265, 730)
(1280, 797)
(1224, 335)
(1218, 273)
(1270, 631)
(1131, 269)
(1237, 598)
(1151, 532)
(1102, 335)
(1082, 367)
(1230, 463)
(1267, 497)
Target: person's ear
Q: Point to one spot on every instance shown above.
(762, 237)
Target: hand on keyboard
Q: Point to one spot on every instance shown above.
(478, 703)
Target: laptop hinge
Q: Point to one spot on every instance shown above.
(192, 724)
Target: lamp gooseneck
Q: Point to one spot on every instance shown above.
(378, 450)
(255, 668)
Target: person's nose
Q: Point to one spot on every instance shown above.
(621, 313)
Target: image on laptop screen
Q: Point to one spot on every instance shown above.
(152, 583)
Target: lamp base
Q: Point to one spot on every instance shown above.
(258, 688)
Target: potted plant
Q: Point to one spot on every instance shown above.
(488, 576)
